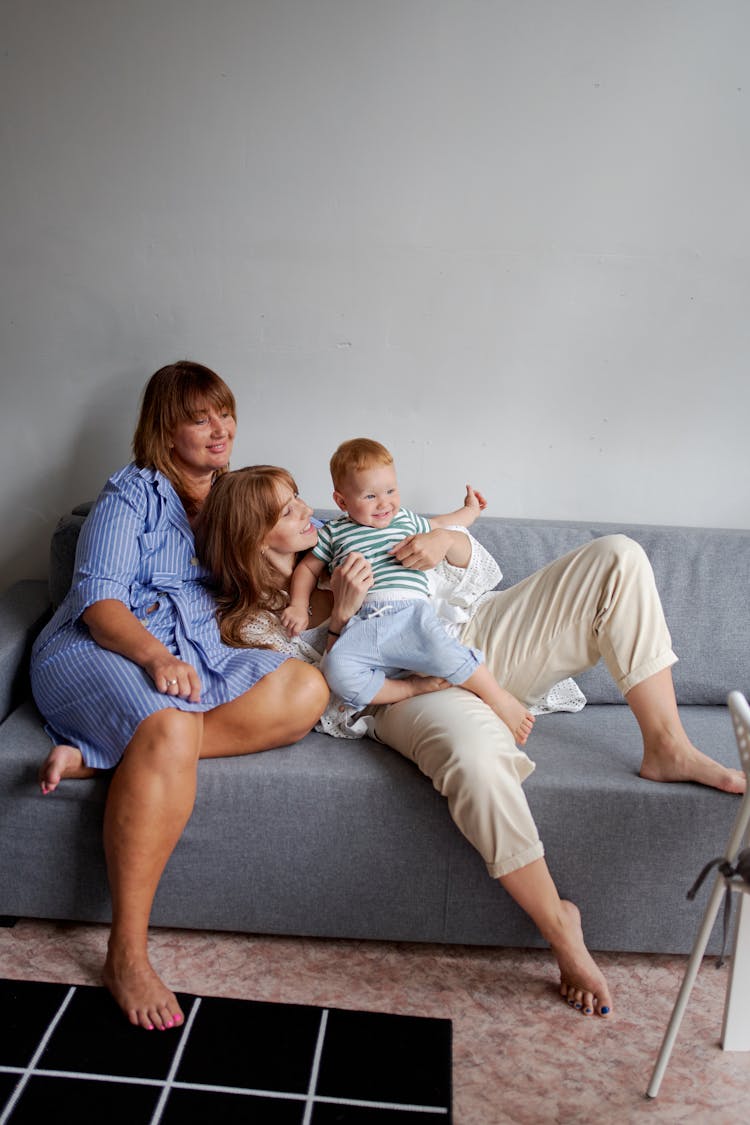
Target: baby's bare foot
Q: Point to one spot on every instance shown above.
(522, 732)
(515, 716)
(62, 762)
(581, 982)
(143, 997)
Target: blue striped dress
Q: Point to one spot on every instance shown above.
(137, 547)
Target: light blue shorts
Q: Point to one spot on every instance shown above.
(387, 639)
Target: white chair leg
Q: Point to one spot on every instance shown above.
(691, 972)
(735, 1035)
(736, 1032)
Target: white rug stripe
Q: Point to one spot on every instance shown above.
(175, 1063)
(37, 1055)
(438, 1110)
(315, 1068)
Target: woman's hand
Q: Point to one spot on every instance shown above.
(113, 626)
(423, 551)
(349, 584)
(173, 676)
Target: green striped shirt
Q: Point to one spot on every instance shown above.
(342, 535)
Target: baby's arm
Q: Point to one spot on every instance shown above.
(296, 616)
(474, 503)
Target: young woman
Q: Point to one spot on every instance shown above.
(599, 601)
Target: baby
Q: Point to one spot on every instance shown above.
(396, 629)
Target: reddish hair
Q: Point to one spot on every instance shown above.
(239, 511)
(354, 455)
(175, 394)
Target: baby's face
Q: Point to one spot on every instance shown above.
(370, 496)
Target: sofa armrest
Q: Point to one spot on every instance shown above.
(24, 608)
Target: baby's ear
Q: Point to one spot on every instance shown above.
(339, 500)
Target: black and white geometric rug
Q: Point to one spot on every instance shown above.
(67, 1051)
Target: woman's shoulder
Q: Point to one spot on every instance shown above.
(138, 478)
(140, 491)
(133, 481)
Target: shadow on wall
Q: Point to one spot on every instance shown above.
(100, 445)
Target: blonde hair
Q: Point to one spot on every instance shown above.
(354, 455)
(175, 394)
(239, 511)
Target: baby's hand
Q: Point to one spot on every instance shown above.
(474, 500)
(294, 618)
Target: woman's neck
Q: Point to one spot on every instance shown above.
(195, 489)
(283, 565)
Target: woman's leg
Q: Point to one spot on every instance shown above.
(668, 753)
(257, 720)
(469, 754)
(280, 709)
(559, 923)
(150, 801)
(598, 601)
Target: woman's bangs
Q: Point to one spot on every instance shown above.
(196, 400)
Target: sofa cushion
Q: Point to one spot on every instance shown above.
(62, 552)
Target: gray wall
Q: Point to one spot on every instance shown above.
(507, 237)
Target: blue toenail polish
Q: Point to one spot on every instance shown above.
(578, 1006)
(604, 1011)
(588, 1011)
(571, 1004)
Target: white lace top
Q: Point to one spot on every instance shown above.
(455, 593)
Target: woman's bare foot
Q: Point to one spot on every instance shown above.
(581, 982)
(144, 999)
(62, 762)
(669, 757)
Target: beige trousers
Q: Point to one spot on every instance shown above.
(598, 601)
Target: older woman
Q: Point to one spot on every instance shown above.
(598, 601)
(132, 672)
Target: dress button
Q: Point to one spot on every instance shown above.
(194, 560)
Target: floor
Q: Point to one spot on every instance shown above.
(520, 1055)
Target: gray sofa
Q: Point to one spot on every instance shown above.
(341, 839)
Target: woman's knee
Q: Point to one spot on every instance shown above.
(302, 690)
(621, 549)
(481, 775)
(477, 762)
(168, 739)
